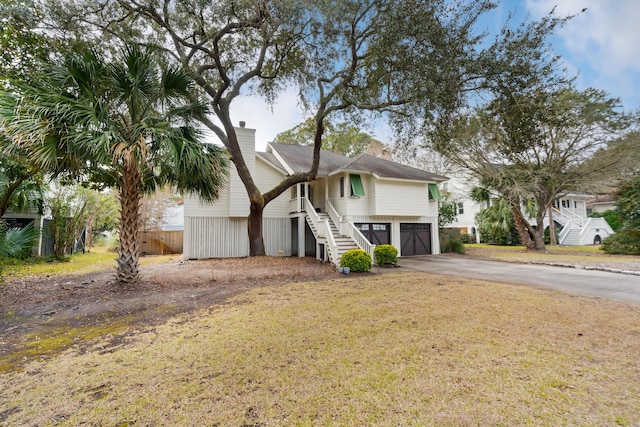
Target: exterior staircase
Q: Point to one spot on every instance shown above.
(342, 243)
(577, 230)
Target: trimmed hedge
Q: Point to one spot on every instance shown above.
(385, 254)
(357, 260)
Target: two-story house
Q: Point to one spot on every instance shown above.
(569, 213)
(353, 202)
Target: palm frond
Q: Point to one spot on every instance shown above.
(16, 243)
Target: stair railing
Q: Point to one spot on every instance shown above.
(360, 240)
(332, 247)
(568, 216)
(313, 217)
(333, 214)
(565, 230)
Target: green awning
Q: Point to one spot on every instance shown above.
(357, 189)
(435, 193)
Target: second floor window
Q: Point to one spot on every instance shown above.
(460, 208)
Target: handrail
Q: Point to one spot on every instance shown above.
(360, 240)
(313, 215)
(565, 230)
(569, 215)
(332, 247)
(585, 228)
(333, 214)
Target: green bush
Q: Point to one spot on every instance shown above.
(385, 254)
(624, 242)
(357, 260)
(453, 245)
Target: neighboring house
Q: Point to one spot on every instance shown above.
(19, 220)
(459, 187)
(353, 202)
(601, 203)
(569, 214)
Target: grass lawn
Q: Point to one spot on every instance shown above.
(577, 254)
(99, 259)
(386, 349)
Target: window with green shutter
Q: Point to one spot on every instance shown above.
(357, 189)
(434, 193)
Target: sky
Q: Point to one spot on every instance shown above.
(600, 46)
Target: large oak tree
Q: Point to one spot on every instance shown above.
(411, 61)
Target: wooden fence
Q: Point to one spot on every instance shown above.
(161, 242)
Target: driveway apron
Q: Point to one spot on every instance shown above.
(602, 284)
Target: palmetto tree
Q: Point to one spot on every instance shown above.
(125, 123)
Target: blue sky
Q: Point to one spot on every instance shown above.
(601, 46)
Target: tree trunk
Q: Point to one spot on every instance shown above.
(552, 228)
(127, 271)
(538, 238)
(6, 197)
(538, 231)
(256, 241)
(523, 231)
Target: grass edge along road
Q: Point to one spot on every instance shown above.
(388, 349)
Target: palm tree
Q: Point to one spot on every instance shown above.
(126, 124)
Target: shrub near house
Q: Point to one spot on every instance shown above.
(385, 254)
(357, 260)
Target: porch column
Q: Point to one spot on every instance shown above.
(301, 232)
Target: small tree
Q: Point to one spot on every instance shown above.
(627, 239)
(628, 203)
(447, 210)
(68, 214)
(496, 223)
(127, 123)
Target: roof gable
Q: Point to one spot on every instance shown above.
(299, 159)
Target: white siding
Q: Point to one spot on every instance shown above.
(227, 237)
(267, 177)
(238, 202)
(277, 236)
(215, 238)
(194, 207)
(402, 198)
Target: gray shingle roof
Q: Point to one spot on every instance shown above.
(299, 159)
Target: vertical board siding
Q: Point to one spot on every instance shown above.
(277, 236)
(227, 237)
(215, 238)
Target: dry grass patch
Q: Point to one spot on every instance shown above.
(99, 259)
(583, 255)
(389, 349)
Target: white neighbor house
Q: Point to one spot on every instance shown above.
(353, 202)
(569, 214)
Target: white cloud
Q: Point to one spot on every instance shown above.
(603, 43)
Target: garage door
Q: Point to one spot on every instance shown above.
(378, 234)
(415, 239)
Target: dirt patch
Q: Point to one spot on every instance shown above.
(43, 315)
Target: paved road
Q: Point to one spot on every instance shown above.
(571, 280)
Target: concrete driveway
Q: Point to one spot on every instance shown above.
(603, 284)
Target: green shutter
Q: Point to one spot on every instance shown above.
(356, 185)
(435, 193)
